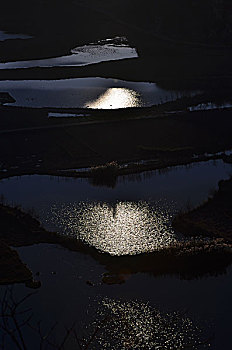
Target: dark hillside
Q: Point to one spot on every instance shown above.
(59, 25)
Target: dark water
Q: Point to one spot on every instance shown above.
(152, 311)
(65, 297)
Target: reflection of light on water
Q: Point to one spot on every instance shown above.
(121, 229)
(115, 98)
(134, 325)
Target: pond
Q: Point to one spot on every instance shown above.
(96, 93)
(132, 218)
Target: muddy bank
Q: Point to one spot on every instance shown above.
(12, 269)
(17, 117)
(107, 174)
(170, 140)
(5, 97)
(213, 218)
(166, 68)
(187, 260)
(17, 228)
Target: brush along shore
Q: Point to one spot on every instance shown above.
(211, 219)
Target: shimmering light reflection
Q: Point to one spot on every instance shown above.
(125, 228)
(115, 98)
(135, 325)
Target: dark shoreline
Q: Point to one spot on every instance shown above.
(133, 167)
(160, 140)
(183, 69)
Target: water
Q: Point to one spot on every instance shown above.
(137, 325)
(6, 36)
(104, 50)
(145, 312)
(67, 115)
(210, 106)
(163, 308)
(132, 218)
(97, 93)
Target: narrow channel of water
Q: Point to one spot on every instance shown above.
(210, 106)
(104, 50)
(6, 36)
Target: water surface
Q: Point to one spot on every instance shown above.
(101, 51)
(167, 310)
(97, 93)
(5, 36)
(210, 106)
(146, 312)
(134, 217)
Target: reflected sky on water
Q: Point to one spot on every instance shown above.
(96, 93)
(116, 98)
(136, 325)
(178, 306)
(122, 228)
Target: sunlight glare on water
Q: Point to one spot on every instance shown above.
(136, 325)
(114, 98)
(123, 228)
(95, 93)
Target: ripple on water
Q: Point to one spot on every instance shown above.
(136, 325)
(122, 228)
(95, 93)
(115, 98)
